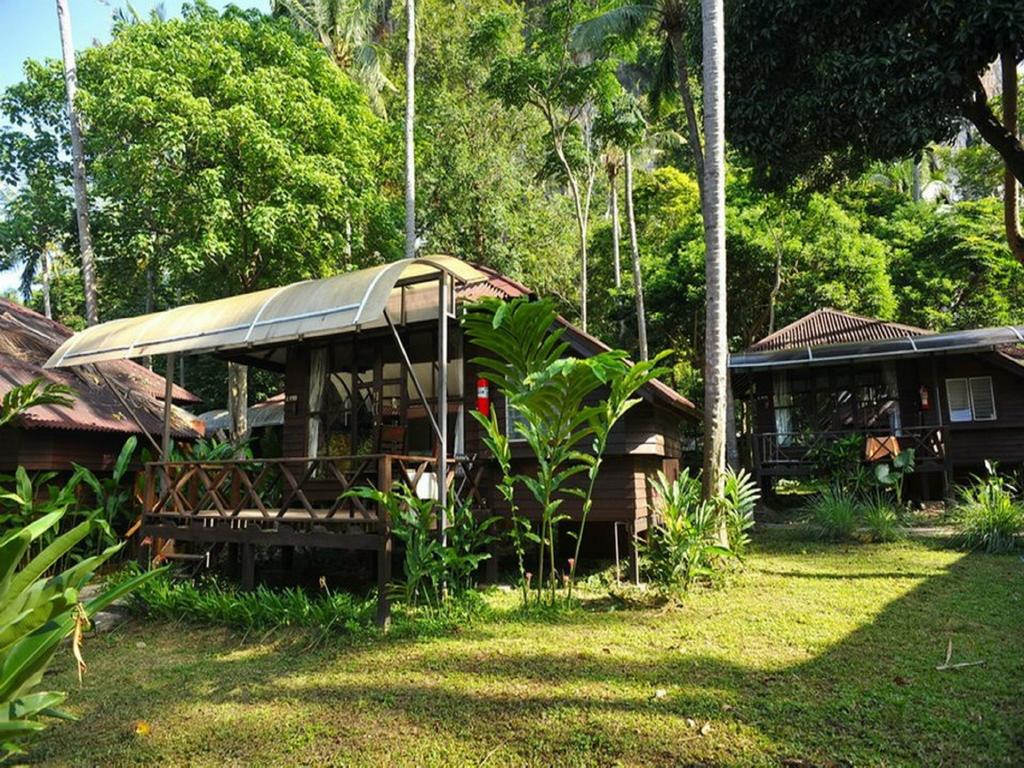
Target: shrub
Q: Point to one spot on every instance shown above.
(833, 514)
(740, 495)
(432, 571)
(883, 519)
(989, 515)
(683, 545)
(212, 602)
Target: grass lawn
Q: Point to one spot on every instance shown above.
(814, 655)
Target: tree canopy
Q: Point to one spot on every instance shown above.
(820, 89)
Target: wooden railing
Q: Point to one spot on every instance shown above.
(803, 448)
(291, 489)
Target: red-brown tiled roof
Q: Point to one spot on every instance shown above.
(27, 339)
(830, 326)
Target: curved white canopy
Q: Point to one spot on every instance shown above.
(301, 310)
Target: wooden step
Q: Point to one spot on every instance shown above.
(184, 557)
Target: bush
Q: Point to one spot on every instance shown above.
(989, 515)
(212, 602)
(833, 514)
(432, 572)
(683, 545)
(740, 495)
(883, 519)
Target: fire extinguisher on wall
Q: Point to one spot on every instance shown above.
(483, 396)
(925, 396)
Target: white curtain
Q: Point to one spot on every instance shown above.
(783, 403)
(317, 386)
(892, 387)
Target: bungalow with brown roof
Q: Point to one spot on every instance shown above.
(956, 398)
(92, 430)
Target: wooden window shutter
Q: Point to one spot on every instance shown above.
(983, 401)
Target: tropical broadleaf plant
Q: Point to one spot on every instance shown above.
(19, 399)
(559, 419)
(37, 612)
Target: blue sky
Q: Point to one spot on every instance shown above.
(28, 30)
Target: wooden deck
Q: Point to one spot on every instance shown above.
(291, 502)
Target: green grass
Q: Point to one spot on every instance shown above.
(818, 653)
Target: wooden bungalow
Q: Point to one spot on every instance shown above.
(112, 400)
(956, 398)
(377, 388)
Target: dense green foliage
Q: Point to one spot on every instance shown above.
(821, 89)
(42, 574)
(685, 544)
(231, 152)
(212, 602)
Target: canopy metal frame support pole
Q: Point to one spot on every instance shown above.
(442, 401)
(415, 379)
(125, 404)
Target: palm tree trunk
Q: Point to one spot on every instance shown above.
(692, 127)
(1011, 200)
(634, 247)
(410, 121)
(78, 165)
(715, 341)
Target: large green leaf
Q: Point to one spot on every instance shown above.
(45, 559)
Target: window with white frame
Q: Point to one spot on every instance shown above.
(971, 399)
(512, 421)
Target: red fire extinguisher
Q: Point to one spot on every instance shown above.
(483, 396)
(924, 395)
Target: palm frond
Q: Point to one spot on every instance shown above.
(620, 23)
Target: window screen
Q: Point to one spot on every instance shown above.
(959, 398)
(512, 421)
(983, 402)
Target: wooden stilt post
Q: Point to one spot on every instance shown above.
(248, 567)
(165, 442)
(634, 556)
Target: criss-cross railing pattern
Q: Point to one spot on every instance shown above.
(291, 489)
(795, 448)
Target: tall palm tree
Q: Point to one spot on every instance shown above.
(410, 132)
(671, 21)
(351, 32)
(78, 165)
(716, 351)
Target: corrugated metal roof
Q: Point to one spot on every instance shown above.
(27, 340)
(268, 413)
(831, 326)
